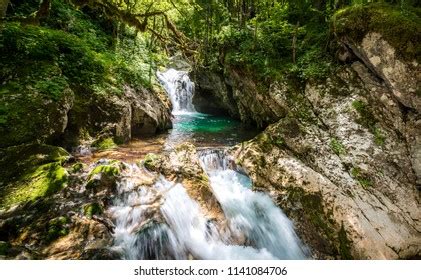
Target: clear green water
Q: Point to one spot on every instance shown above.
(207, 130)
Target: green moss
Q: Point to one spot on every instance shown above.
(344, 244)
(30, 111)
(266, 141)
(108, 173)
(4, 248)
(400, 27)
(29, 172)
(77, 167)
(379, 138)
(45, 180)
(369, 121)
(312, 206)
(152, 161)
(337, 146)
(364, 181)
(56, 228)
(92, 209)
(109, 170)
(366, 118)
(104, 144)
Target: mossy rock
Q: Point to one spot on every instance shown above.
(104, 176)
(57, 227)
(34, 106)
(401, 27)
(152, 161)
(344, 244)
(364, 180)
(77, 167)
(91, 209)
(104, 144)
(29, 172)
(111, 170)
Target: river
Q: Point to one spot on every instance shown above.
(164, 222)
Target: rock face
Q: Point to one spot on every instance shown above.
(182, 165)
(33, 117)
(138, 112)
(237, 94)
(344, 163)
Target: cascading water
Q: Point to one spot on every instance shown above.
(180, 90)
(252, 215)
(163, 222)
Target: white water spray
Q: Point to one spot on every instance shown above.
(180, 89)
(163, 222)
(252, 215)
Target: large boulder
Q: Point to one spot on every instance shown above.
(182, 165)
(137, 112)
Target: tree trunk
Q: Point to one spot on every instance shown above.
(44, 10)
(3, 7)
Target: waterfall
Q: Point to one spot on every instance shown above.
(180, 90)
(250, 214)
(163, 222)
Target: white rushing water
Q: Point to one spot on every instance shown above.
(163, 222)
(180, 89)
(252, 215)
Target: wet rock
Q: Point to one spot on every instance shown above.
(182, 165)
(87, 239)
(138, 112)
(102, 178)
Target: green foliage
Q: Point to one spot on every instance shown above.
(264, 44)
(379, 138)
(364, 181)
(85, 54)
(79, 55)
(57, 227)
(400, 26)
(337, 147)
(92, 209)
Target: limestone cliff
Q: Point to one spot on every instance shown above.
(342, 155)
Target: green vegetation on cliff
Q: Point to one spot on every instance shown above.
(72, 59)
(401, 27)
